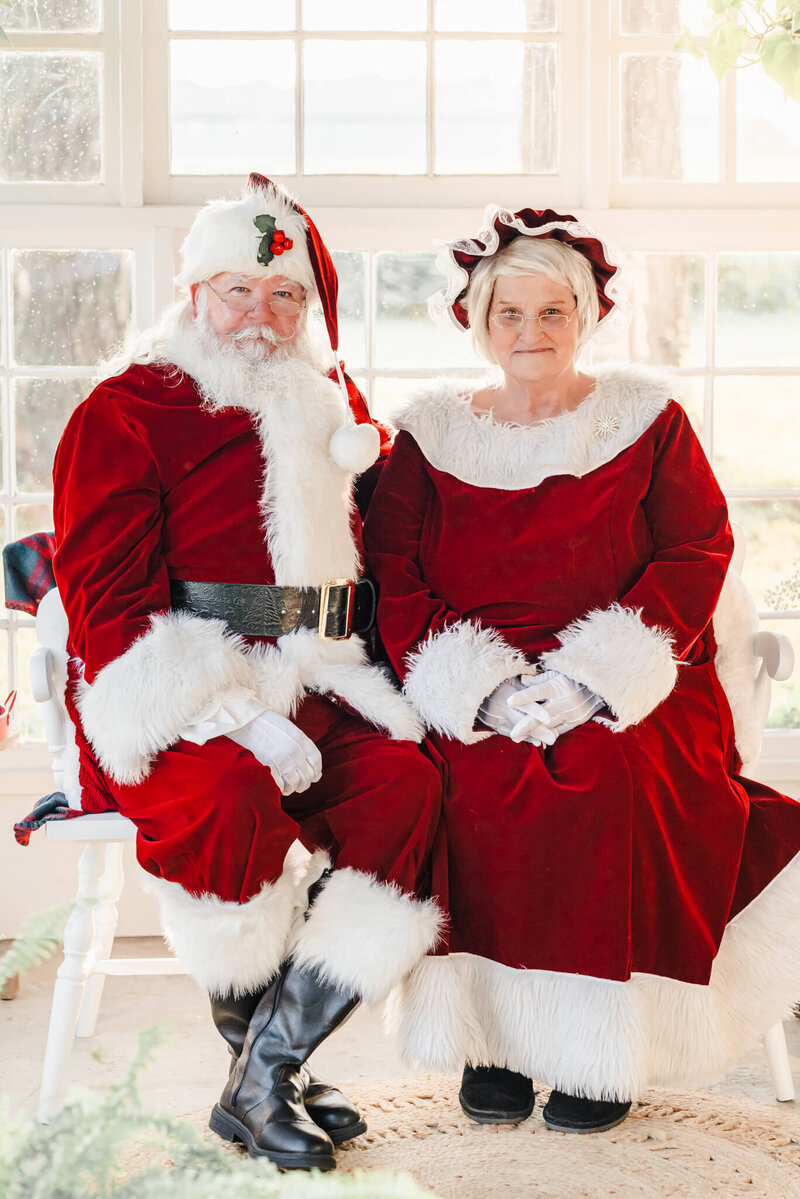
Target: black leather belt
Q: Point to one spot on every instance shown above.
(335, 610)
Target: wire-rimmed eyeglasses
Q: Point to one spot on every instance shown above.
(549, 319)
(279, 306)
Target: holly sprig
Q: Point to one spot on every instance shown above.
(274, 241)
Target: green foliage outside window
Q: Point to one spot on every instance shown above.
(749, 32)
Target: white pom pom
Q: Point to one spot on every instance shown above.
(355, 447)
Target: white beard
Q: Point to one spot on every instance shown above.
(241, 369)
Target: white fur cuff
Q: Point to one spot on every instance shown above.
(230, 947)
(169, 678)
(364, 935)
(629, 664)
(451, 674)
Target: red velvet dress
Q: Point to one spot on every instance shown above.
(596, 544)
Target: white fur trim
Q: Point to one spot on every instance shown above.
(341, 668)
(307, 502)
(224, 238)
(235, 946)
(364, 935)
(354, 448)
(451, 674)
(308, 508)
(488, 453)
(737, 666)
(606, 1039)
(140, 703)
(629, 664)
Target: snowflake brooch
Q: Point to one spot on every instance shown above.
(605, 426)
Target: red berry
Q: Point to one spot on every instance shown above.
(287, 245)
(279, 235)
(276, 249)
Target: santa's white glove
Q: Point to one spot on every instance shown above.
(567, 703)
(293, 759)
(498, 714)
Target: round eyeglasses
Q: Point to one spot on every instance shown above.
(237, 303)
(549, 321)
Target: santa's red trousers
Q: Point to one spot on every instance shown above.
(211, 817)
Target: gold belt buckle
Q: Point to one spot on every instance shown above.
(324, 603)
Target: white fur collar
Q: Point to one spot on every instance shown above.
(488, 453)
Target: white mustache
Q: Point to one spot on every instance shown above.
(260, 333)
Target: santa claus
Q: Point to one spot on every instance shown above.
(209, 561)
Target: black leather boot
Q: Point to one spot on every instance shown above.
(494, 1095)
(262, 1103)
(574, 1113)
(328, 1108)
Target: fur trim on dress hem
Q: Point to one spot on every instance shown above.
(451, 674)
(629, 664)
(605, 1039)
(364, 935)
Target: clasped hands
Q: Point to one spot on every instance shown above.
(538, 708)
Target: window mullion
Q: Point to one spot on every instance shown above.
(130, 117)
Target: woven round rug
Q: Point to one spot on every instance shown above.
(686, 1146)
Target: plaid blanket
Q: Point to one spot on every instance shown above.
(28, 571)
(51, 807)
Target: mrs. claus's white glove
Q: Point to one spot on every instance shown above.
(293, 759)
(498, 714)
(567, 703)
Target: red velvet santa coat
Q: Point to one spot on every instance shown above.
(592, 881)
(152, 485)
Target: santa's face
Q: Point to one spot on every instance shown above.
(251, 312)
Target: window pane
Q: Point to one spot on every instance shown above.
(70, 307)
(51, 16)
(50, 129)
(365, 108)
(772, 528)
(758, 310)
(668, 308)
(351, 269)
(405, 335)
(784, 711)
(42, 408)
(232, 107)
(669, 119)
(496, 106)
(767, 130)
(32, 518)
(28, 713)
(364, 14)
(244, 14)
(663, 16)
(755, 431)
(503, 16)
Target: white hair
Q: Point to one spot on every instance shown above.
(532, 256)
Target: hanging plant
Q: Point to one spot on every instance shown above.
(746, 33)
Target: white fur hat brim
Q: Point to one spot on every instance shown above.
(224, 238)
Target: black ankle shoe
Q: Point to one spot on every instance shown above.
(572, 1113)
(494, 1095)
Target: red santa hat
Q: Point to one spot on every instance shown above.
(500, 227)
(268, 233)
